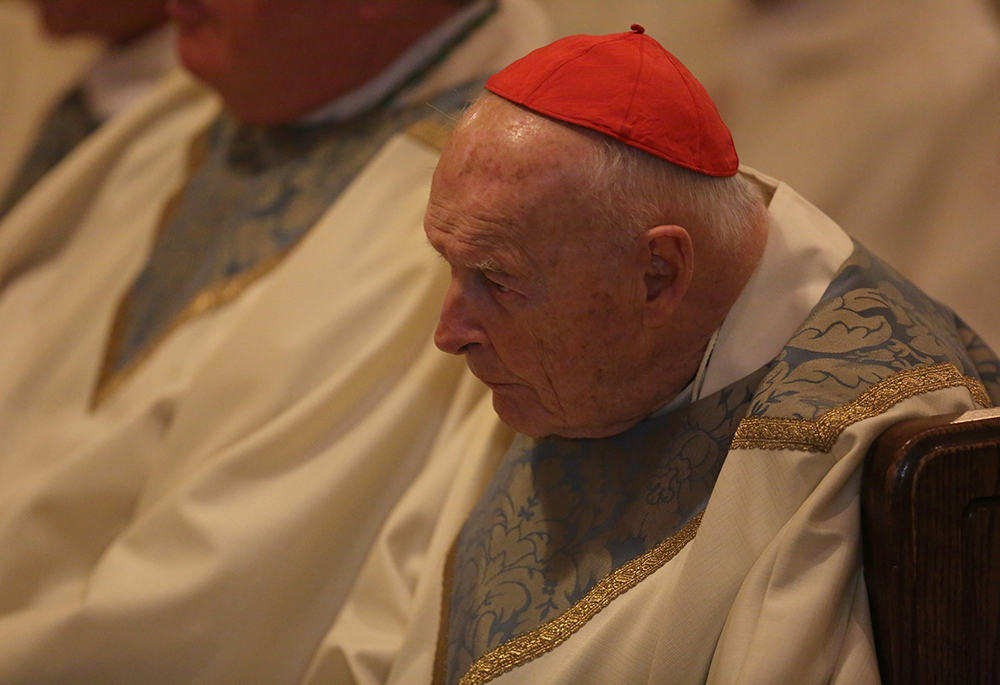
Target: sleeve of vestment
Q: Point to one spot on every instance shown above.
(381, 635)
(801, 613)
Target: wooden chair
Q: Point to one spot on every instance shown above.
(930, 506)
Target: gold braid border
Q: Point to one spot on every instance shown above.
(820, 435)
(524, 648)
(212, 297)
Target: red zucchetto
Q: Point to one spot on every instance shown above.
(628, 87)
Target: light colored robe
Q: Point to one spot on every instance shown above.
(205, 522)
(34, 72)
(768, 591)
(115, 80)
(880, 113)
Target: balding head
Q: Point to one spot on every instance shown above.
(583, 297)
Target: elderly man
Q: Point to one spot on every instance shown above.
(214, 392)
(697, 360)
(139, 54)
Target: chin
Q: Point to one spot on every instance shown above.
(539, 423)
(514, 415)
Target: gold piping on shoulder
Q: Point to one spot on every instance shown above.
(545, 638)
(802, 435)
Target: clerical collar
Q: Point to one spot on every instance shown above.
(794, 272)
(804, 251)
(123, 75)
(681, 399)
(419, 57)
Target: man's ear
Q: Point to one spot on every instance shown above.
(668, 255)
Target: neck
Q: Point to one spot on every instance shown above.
(406, 68)
(714, 290)
(125, 41)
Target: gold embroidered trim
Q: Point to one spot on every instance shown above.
(524, 648)
(820, 435)
(107, 380)
(212, 297)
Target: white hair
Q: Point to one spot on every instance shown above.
(636, 191)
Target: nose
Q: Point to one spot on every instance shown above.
(458, 326)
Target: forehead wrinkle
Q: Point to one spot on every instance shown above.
(494, 252)
(487, 239)
(501, 181)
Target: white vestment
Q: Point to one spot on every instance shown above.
(34, 72)
(204, 523)
(768, 591)
(880, 113)
(118, 78)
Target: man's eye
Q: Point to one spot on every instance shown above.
(493, 284)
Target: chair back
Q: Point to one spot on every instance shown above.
(930, 506)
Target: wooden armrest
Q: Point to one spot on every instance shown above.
(930, 506)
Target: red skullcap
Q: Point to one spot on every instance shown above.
(628, 87)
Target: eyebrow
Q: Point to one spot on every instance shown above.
(482, 264)
(488, 264)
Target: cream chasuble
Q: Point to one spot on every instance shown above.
(205, 520)
(35, 72)
(552, 580)
(117, 79)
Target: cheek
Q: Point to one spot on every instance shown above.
(224, 49)
(591, 344)
(517, 342)
(588, 327)
(545, 354)
(275, 26)
(263, 43)
(66, 8)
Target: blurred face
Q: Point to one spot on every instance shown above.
(116, 21)
(276, 60)
(541, 313)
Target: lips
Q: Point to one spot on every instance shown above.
(489, 377)
(493, 384)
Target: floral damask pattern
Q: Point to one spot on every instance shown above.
(561, 515)
(870, 325)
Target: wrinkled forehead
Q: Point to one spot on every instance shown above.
(512, 178)
(501, 142)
